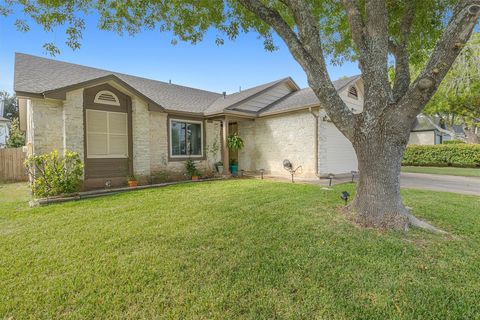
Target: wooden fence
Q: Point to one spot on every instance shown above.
(11, 165)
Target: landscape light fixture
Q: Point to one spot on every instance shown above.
(261, 172)
(330, 176)
(287, 165)
(345, 196)
(353, 172)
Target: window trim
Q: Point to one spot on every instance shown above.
(107, 156)
(202, 141)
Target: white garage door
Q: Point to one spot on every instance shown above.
(338, 153)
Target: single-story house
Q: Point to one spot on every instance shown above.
(122, 124)
(431, 130)
(4, 132)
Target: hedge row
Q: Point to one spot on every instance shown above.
(443, 155)
(453, 142)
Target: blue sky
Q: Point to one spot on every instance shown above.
(242, 62)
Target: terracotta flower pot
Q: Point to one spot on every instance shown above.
(194, 178)
(132, 183)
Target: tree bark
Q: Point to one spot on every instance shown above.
(470, 135)
(378, 202)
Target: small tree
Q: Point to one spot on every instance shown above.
(16, 137)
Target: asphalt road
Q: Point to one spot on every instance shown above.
(436, 182)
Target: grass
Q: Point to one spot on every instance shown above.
(451, 171)
(238, 249)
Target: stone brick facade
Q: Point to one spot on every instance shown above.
(73, 139)
(270, 140)
(59, 125)
(141, 138)
(55, 124)
(45, 126)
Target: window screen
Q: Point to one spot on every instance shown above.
(107, 134)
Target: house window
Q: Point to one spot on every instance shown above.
(186, 138)
(352, 92)
(107, 134)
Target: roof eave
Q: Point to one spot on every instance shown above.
(60, 93)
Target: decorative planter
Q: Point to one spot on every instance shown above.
(234, 169)
(194, 178)
(132, 183)
(220, 169)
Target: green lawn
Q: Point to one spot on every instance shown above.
(248, 249)
(467, 172)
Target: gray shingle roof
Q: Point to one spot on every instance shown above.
(421, 123)
(221, 103)
(305, 97)
(38, 75)
(458, 129)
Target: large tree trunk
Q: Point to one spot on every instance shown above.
(470, 135)
(378, 202)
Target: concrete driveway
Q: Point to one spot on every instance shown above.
(436, 182)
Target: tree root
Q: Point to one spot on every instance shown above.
(415, 222)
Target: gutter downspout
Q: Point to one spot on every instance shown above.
(316, 116)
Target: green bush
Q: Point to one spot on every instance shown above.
(453, 142)
(55, 175)
(191, 168)
(443, 155)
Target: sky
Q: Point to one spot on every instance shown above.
(242, 63)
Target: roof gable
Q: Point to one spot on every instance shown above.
(243, 101)
(306, 97)
(35, 75)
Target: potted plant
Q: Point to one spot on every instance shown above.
(234, 167)
(132, 181)
(235, 143)
(219, 166)
(192, 171)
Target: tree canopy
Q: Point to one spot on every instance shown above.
(457, 100)
(189, 20)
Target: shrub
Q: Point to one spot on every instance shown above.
(53, 174)
(443, 155)
(453, 142)
(191, 168)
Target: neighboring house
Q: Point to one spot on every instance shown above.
(122, 124)
(4, 131)
(427, 131)
(459, 132)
